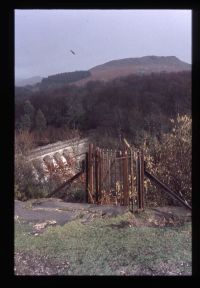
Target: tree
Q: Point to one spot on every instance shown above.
(171, 159)
(25, 122)
(24, 141)
(29, 109)
(40, 121)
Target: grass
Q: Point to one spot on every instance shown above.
(105, 247)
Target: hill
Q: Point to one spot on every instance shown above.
(143, 65)
(108, 71)
(61, 79)
(28, 81)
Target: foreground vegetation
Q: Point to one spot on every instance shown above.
(103, 247)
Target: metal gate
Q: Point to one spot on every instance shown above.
(115, 177)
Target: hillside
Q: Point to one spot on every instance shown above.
(28, 81)
(58, 80)
(143, 65)
(119, 103)
(108, 71)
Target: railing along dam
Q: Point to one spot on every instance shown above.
(59, 154)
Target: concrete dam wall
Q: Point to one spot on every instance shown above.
(59, 155)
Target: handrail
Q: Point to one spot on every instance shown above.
(50, 148)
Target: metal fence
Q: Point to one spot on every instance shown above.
(115, 177)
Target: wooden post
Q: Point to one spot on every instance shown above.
(108, 174)
(132, 179)
(103, 176)
(125, 177)
(131, 170)
(120, 178)
(90, 173)
(142, 178)
(138, 180)
(100, 174)
(97, 174)
(115, 177)
(86, 178)
(111, 174)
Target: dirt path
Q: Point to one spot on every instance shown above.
(53, 209)
(63, 212)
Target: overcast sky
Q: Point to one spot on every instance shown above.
(44, 38)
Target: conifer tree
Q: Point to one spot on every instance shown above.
(29, 109)
(25, 122)
(40, 121)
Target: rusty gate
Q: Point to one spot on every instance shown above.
(115, 177)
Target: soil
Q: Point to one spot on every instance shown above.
(27, 263)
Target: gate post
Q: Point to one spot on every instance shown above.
(140, 178)
(86, 178)
(125, 177)
(97, 174)
(90, 173)
(132, 180)
(100, 174)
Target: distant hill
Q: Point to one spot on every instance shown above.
(143, 65)
(108, 71)
(28, 81)
(58, 80)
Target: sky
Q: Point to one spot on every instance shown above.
(44, 38)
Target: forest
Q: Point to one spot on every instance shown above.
(129, 106)
(62, 79)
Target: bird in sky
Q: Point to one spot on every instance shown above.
(72, 52)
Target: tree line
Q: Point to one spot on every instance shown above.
(63, 79)
(129, 106)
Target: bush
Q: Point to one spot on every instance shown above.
(26, 185)
(75, 194)
(170, 160)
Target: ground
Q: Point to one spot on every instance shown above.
(53, 237)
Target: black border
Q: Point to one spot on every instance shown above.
(7, 149)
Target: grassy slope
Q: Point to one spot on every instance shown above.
(105, 247)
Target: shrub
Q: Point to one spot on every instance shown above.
(76, 193)
(26, 185)
(170, 160)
